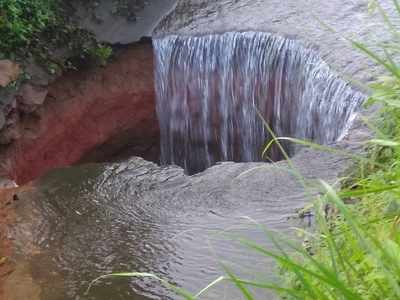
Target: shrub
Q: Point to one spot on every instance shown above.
(100, 54)
(38, 28)
(22, 21)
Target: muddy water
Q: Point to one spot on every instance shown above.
(83, 222)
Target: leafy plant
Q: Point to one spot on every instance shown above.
(21, 21)
(41, 28)
(100, 54)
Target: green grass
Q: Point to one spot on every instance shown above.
(355, 251)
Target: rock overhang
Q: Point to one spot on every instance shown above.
(327, 28)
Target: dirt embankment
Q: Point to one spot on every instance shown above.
(88, 115)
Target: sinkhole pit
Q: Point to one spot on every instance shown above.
(214, 93)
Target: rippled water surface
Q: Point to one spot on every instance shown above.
(135, 216)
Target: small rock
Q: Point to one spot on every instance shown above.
(9, 72)
(6, 183)
(30, 97)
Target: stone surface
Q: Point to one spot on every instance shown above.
(84, 110)
(7, 98)
(129, 25)
(296, 19)
(7, 183)
(9, 72)
(38, 74)
(30, 97)
(2, 120)
(11, 130)
(8, 135)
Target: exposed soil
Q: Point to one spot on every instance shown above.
(91, 115)
(6, 217)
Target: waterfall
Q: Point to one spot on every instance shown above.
(211, 90)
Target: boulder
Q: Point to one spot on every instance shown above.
(9, 72)
(9, 134)
(6, 183)
(30, 97)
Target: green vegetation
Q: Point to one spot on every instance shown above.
(44, 30)
(99, 54)
(354, 253)
(23, 21)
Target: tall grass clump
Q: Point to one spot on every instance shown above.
(354, 253)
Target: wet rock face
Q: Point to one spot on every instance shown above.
(295, 19)
(106, 106)
(30, 97)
